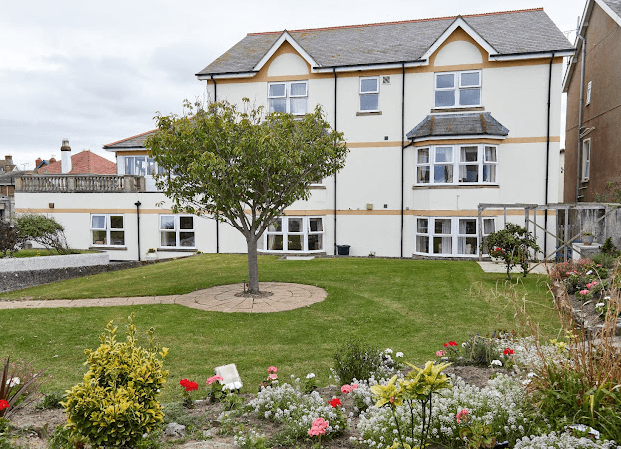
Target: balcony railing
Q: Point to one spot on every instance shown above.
(80, 183)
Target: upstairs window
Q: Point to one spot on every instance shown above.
(290, 97)
(588, 95)
(456, 164)
(141, 166)
(458, 89)
(369, 94)
(586, 159)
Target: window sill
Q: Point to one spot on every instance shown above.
(458, 109)
(454, 186)
(292, 253)
(176, 249)
(108, 248)
(365, 113)
(317, 187)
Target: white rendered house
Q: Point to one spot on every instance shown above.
(440, 116)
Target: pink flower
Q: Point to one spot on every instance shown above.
(354, 386)
(346, 389)
(319, 427)
(584, 292)
(272, 376)
(213, 379)
(461, 416)
(272, 369)
(440, 353)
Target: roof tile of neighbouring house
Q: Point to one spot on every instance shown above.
(136, 141)
(466, 124)
(81, 163)
(511, 32)
(615, 5)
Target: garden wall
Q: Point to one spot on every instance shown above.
(15, 280)
(46, 262)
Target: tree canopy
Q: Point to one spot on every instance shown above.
(241, 165)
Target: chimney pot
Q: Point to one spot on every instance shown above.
(65, 145)
(52, 160)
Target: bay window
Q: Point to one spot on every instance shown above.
(141, 165)
(458, 89)
(301, 234)
(290, 97)
(473, 164)
(450, 236)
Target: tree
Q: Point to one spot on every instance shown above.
(44, 230)
(8, 239)
(243, 167)
(512, 245)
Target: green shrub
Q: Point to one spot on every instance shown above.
(8, 239)
(513, 245)
(50, 401)
(355, 360)
(44, 230)
(605, 260)
(116, 403)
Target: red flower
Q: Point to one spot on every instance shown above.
(188, 384)
(334, 402)
(508, 351)
(3, 404)
(451, 343)
(445, 345)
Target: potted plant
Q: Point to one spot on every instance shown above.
(151, 254)
(587, 238)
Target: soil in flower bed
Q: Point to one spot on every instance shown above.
(35, 425)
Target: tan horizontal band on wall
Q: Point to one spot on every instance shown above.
(304, 213)
(532, 139)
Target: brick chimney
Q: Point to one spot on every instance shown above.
(65, 157)
(38, 161)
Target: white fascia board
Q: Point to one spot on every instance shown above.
(469, 137)
(530, 56)
(357, 68)
(285, 36)
(461, 23)
(226, 75)
(613, 15)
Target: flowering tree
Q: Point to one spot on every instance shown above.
(243, 167)
(513, 245)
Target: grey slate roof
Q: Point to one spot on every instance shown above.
(130, 142)
(465, 124)
(615, 5)
(512, 32)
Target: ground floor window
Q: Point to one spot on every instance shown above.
(107, 229)
(302, 234)
(177, 231)
(450, 236)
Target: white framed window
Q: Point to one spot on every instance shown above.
(588, 95)
(294, 234)
(473, 164)
(107, 229)
(586, 159)
(141, 165)
(290, 97)
(450, 236)
(458, 89)
(177, 231)
(369, 94)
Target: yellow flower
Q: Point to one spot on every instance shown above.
(387, 394)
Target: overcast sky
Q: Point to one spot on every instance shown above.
(97, 71)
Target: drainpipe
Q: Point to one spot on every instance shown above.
(335, 248)
(402, 148)
(545, 216)
(215, 99)
(137, 204)
(579, 155)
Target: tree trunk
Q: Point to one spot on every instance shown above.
(253, 265)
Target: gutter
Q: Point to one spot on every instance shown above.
(215, 99)
(532, 54)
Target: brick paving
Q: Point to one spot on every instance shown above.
(286, 296)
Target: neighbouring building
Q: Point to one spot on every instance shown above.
(441, 115)
(593, 86)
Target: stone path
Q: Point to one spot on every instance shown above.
(493, 267)
(286, 296)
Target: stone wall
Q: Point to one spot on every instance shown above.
(15, 280)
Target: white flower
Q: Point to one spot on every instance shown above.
(13, 381)
(496, 362)
(600, 304)
(399, 354)
(589, 272)
(310, 375)
(606, 298)
(388, 351)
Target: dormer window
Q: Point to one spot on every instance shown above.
(290, 97)
(458, 89)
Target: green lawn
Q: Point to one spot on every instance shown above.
(412, 306)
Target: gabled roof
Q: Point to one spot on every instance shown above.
(511, 33)
(134, 142)
(610, 7)
(454, 125)
(82, 163)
